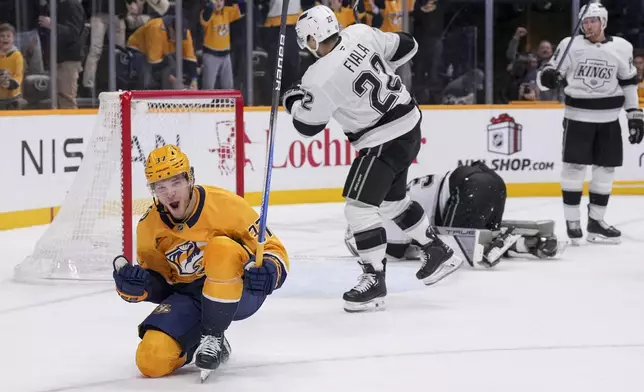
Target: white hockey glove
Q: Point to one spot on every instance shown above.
(635, 125)
(291, 96)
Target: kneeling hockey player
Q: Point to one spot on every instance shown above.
(470, 197)
(195, 250)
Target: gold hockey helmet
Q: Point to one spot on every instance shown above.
(166, 162)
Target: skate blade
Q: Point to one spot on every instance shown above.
(376, 304)
(600, 239)
(575, 241)
(446, 269)
(205, 373)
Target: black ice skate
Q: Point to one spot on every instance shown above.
(600, 232)
(499, 245)
(438, 260)
(574, 231)
(369, 293)
(213, 350)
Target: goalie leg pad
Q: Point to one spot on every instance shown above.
(158, 354)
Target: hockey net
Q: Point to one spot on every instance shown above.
(97, 220)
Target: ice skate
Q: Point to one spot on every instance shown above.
(369, 293)
(599, 232)
(213, 351)
(438, 260)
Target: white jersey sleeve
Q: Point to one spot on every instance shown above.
(311, 114)
(397, 48)
(627, 75)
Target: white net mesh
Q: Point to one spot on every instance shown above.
(88, 232)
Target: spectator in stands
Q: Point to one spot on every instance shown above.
(638, 61)
(99, 25)
(428, 27)
(70, 26)
(23, 15)
(344, 12)
(11, 69)
(270, 37)
(154, 60)
(217, 65)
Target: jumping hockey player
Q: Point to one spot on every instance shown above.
(354, 81)
(599, 79)
(195, 250)
(470, 197)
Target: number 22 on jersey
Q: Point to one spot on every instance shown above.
(372, 81)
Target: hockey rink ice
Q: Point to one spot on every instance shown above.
(571, 324)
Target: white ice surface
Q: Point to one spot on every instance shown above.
(572, 324)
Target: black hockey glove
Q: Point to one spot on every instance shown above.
(291, 96)
(552, 79)
(635, 125)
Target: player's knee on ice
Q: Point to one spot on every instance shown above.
(224, 261)
(158, 354)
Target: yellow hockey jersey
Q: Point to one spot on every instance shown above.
(152, 40)
(12, 64)
(217, 29)
(181, 252)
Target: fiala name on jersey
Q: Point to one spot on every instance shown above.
(595, 73)
(187, 258)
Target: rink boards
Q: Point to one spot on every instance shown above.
(43, 151)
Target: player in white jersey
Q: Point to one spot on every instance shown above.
(471, 197)
(599, 79)
(354, 82)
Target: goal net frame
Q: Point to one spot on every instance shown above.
(96, 223)
(126, 98)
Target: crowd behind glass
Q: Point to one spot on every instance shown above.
(63, 53)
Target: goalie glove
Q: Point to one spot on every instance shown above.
(635, 125)
(131, 280)
(291, 96)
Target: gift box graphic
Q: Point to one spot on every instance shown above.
(504, 135)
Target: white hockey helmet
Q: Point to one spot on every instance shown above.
(595, 10)
(318, 22)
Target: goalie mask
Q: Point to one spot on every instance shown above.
(319, 23)
(595, 10)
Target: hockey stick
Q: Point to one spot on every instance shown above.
(354, 6)
(574, 33)
(268, 169)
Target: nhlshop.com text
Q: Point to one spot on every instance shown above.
(512, 164)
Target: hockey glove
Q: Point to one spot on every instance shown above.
(635, 125)
(552, 79)
(263, 280)
(291, 96)
(130, 280)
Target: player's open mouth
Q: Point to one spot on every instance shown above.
(174, 205)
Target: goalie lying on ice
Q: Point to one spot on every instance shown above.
(470, 197)
(195, 250)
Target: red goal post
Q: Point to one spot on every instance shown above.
(97, 220)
